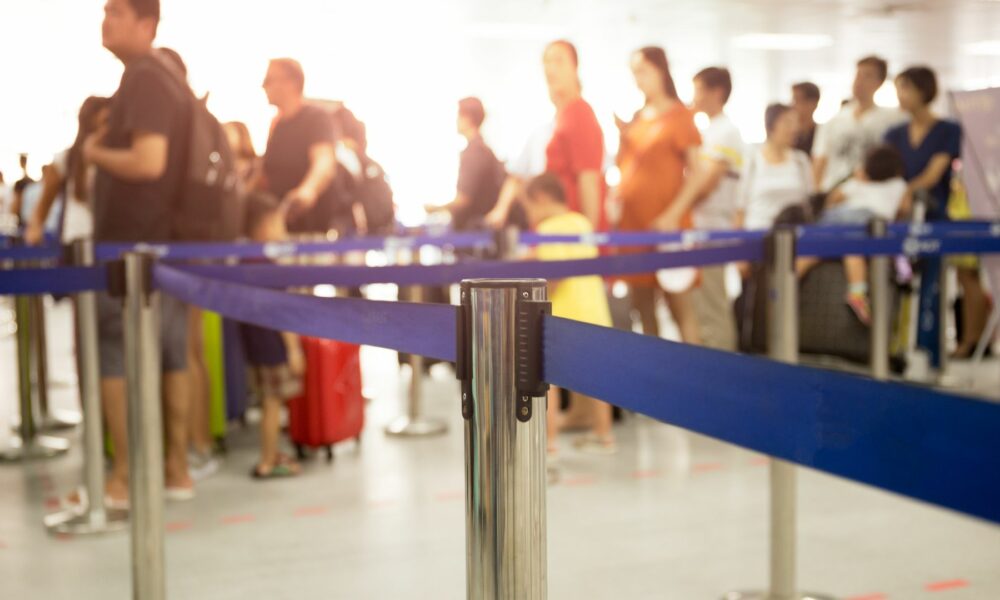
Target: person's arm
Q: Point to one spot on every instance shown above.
(510, 191)
(145, 160)
(702, 179)
(322, 170)
(589, 190)
(52, 181)
(927, 179)
(293, 351)
(819, 170)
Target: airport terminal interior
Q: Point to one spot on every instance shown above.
(642, 509)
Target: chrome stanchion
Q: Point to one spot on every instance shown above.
(49, 419)
(27, 444)
(783, 346)
(145, 428)
(503, 405)
(414, 423)
(878, 275)
(90, 516)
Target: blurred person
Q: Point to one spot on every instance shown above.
(277, 363)
(657, 145)
(17, 203)
(929, 145)
(575, 150)
(776, 174)
(72, 177)
(480, 173)
(975, 302)
(577, 298)
(299, 161)
(805, 100)
(140, 157)
(842, 143)
(248, 165)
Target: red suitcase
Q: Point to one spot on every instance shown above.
(331, 408)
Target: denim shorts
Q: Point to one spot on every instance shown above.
(173, 335)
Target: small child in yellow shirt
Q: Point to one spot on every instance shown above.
(577, 298)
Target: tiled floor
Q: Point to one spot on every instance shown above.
(673, 515)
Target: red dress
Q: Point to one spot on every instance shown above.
(577, 145)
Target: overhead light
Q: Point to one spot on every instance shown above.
(983, 48)
(783, 41)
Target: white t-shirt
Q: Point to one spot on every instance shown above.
(532, 161)
(881, 198)
(79, 219)
(767, 189)
(721, 141)
(845, 139)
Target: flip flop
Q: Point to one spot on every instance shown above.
(278, 471)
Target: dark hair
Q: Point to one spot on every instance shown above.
(472, 109)
(293, 70)
(568, 45)
(657, 57)
(547, 184)
(883, 162)
(923, 79)
(772, 114)
(878, 63)
(146, 9)
(245, 150)
(808, 89)
(716, 78)
(75, 169)
(259, 206)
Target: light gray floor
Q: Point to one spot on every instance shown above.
(674, 516)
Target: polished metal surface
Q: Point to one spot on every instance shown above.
(879, 273)
(90, 515)
(505, 458)
(145, 433)
(49, 418)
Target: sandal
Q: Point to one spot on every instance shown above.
(278, 471)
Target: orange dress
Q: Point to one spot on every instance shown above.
(652, 159)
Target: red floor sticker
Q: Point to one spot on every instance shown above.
(942, 586)
(869, 597)
(235, 519)
(311, 511)
(581, 481)
(52, 503)
(450, 496)
(760, 461)
(176, 526)
(3, 546)
(381, 503)
(707, 467)
(63, 537)
(645, 474)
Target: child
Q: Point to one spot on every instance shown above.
(578, 298)
(875, 191)
(275, 359)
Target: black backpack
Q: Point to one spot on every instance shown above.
(375, 194)
(209, 206)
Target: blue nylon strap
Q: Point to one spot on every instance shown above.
(273, 276)
(909, 246)
(934, 447)
(61, 280)
(641, 238)
(424, 329)
(19, 253)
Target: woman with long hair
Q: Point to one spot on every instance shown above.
(657, 146)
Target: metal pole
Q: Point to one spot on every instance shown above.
(504, 454)
(49, 419)
(90, 516)
(783, 346)
(145, 429)
(943, 319)
(414, 423)
(878, 271)
(28, 445)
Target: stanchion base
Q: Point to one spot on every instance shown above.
(419, 427)
(41, 447)
(760, 595)
(79, 521)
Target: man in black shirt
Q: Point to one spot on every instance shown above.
(139, 154)
(480, 174)
(299, 162)
(805, 99)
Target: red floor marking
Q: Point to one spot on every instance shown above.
(52, 503)
(941, 586)
(581, 481)
(450, 496)
(3, 546)
(176, 526)
(645, 474)
(869, 597)
(708, 467)
(760, 462)
(235, 519)
(381, 503)
(63, 537)
(311, 511)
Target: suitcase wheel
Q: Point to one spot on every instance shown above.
(300, 452)
(329, 454)
(357, 443)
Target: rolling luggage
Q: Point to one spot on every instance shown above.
(331, 407)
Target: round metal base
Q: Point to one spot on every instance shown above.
(80, 521)
(767, 596)
(40, 448)
(419, 427)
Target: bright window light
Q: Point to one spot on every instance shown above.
(782, 41)
(983, 48)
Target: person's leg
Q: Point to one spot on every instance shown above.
(682, 308)
(644, 302)
(113, 401)
(856, 271)
(270, 431)
(714, 310)
(201, 435)
(603, 421)
(975, 309)
(176, 391)
(804, 265)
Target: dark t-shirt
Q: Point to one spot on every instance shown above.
(945, 137)
(480, 177)
(149, 100)
(286, 164)
(805, 140)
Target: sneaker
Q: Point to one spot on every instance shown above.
(859, 304)
(202, 466)
(591, 444)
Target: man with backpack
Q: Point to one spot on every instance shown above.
(141, 155)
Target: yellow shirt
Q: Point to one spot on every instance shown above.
(577, 298)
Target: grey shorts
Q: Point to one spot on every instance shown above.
(173, 335)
